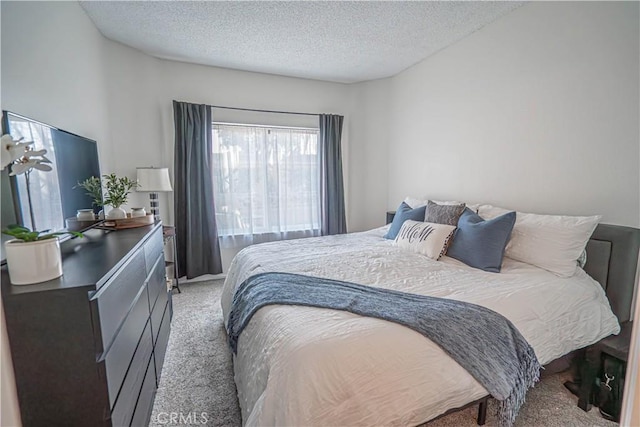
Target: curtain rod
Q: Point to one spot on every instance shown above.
(264, 111)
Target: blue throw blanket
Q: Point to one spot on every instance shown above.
(482, 341)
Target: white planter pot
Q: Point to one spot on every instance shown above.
(33, 262)
(116, 213)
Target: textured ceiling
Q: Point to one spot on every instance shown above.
(339, 41)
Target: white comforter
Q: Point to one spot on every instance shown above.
(304, 366)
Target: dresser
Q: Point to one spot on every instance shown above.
(88, 347)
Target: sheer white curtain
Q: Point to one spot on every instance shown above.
(266, 183)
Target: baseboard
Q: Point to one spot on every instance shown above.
(203, 278)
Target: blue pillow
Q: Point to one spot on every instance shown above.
(479, 243)
(404, 213)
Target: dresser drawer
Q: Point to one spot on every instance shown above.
(156, 281)
(122, 413)
(158, 313)
(162, 340)
(153, 248)
(142, 412)
(114, 299)
(119, 355)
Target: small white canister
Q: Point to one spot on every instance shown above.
(33, 262)
(85, 215)
(138, 212)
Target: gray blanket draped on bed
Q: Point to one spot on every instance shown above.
(482, 341)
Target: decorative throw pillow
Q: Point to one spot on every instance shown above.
(425, 238)
(404, 213)
(551, 242)
(414, 203)
(479, 243)
(443, 214)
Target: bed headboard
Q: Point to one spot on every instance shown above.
(612, 260)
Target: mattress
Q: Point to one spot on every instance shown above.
(312, 366)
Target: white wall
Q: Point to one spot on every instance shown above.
(368, 172)
(537, 111)
(132, 80)
(53, 68)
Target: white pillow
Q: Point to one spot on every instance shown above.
(416, 203)
(552, 242)
(425, 238)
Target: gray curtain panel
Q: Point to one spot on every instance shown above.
(196, 232)
(333, 218)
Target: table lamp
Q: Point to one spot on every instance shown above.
(154, 180)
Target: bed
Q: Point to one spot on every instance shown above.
(312, 366)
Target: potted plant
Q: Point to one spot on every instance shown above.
(33, 256)
(93, 188)
(118, 189)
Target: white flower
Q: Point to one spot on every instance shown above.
(11, 150)
(32, 153)
(22, 157)
(6, 142)
(22, 167)
(28, 164)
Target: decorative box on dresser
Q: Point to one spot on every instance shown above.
(88, 347)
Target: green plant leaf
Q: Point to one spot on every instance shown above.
(48, 236)
(26, 235)
(93, 187)
(118, 189)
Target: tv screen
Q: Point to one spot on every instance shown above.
(43, 200)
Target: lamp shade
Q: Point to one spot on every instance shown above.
(153, 179)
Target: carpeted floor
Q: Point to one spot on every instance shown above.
(197, 378)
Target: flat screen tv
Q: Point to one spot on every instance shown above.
(53, 196)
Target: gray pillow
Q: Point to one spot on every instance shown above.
(443, 214)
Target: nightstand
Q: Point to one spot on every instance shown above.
(171, 264)
(390, 215)
(614, 345)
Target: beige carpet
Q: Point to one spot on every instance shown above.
(197, 378)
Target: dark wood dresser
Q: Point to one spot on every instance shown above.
(88, 347)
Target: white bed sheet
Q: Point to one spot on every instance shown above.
(303, 366)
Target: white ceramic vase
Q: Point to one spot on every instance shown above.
(116, 213)
(33, 262)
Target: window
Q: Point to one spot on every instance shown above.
(266, 181)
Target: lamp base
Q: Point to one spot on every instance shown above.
(155, 205)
